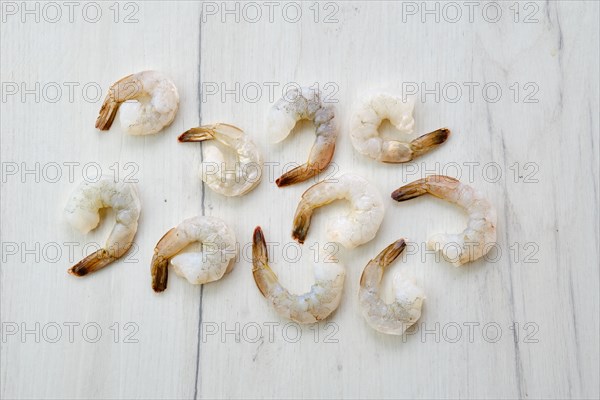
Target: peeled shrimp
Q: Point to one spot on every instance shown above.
(156, 103)
(298, 104)
(81, 212)
(396, 317)
(480, 234)
(218, 249)
(359, 226)
(316, 305)
(248, 167)
(369, 115)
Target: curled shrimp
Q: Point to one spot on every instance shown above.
(248, 167)
(359, 226)
(365, 136)
(82, 214)
(405, 310)
(316, 305)
(218, 249)
(156, 103)
(298, 104)
(480, 234)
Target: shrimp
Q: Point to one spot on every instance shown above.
(480, 234)
(316, 305)
(397, 317)
(359, 226)
(248, 167)
(82, 214)
(369, 115)
(218, 244)
(155, 107)
(297, 104)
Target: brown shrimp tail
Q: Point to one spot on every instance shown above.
(160, 273)
(373, 272)
(264, 277)
(260, 253)
(390, 253)
(297, 175)
(301, 223)
(429, 141)
(410, 191)
(198, 134)
(92, 263)
(318, 161)
(107, 114)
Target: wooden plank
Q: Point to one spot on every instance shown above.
(42, 292)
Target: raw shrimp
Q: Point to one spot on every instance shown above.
(82, 213)
(298, 104)
(155, 107)
(365, 136)
(316, 305)
(480, 234)
(218, 244)
(248, 167)
(398, 316)
(357, 227)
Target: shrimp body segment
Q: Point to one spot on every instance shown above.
(218, 250)
(316, 305)
(480, 234)
(82, 213)
(405, 310)
(248, 167)
(155, 103)
(365, 123)
(295, 105)
(357, 227)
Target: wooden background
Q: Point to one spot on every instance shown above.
(523, 325)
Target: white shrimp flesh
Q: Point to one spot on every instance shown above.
(148, 102)
(477, 238)
(369, 115)
(358, 226)
(390, 318)
(246, 173)
(316, 305)
(218, 250)
(82, 213)
(295, 105)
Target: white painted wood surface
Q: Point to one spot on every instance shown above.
(173, 351)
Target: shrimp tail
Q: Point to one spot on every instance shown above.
(390, 253)
(429, 141)
(107, 114)
(260, 253)
(410, 191)
(297, 175)
(301, 223)
(320, 157)
(373, 272)
(198, 134)
(92, 263)
(264, 277)
(160, 273)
